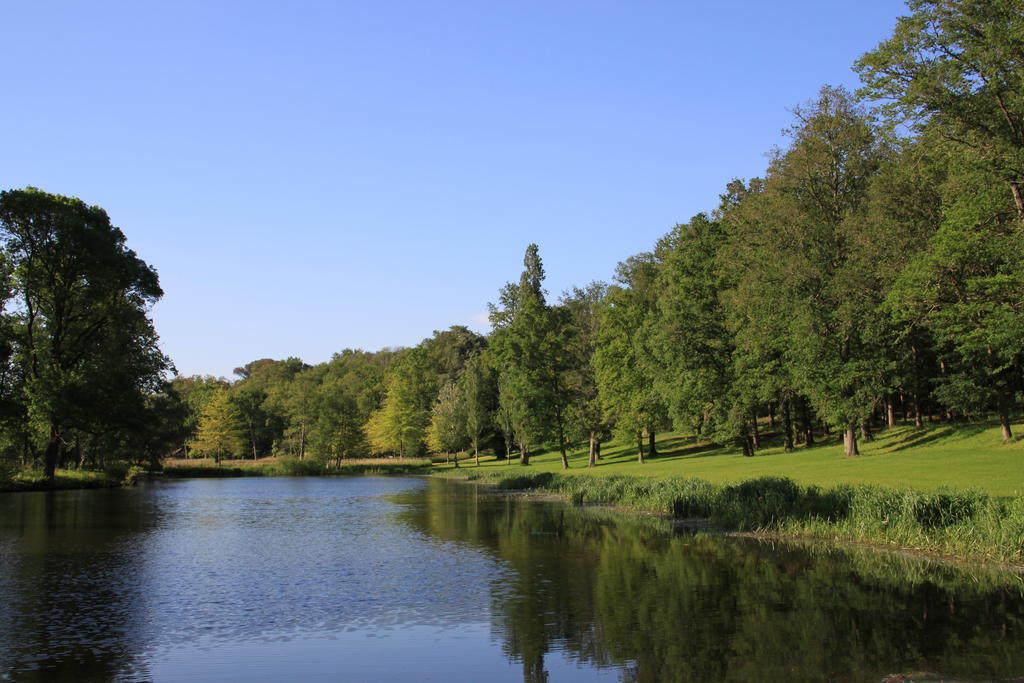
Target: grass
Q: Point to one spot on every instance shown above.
(935, 457)
(956, 491)
(283, 467)
(963, 524)
(32, 480)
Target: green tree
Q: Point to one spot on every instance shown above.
(623, 365)
(581, 307)
(81, 307)
(477, 394)
(446, 431)
(965, 288)
(220, 433)
(399, 425)
(528, 346)
(957, 64)
(806, 235)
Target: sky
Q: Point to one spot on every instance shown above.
(313, 176)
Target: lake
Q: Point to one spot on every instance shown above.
(385, 579)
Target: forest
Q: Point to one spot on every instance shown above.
(873, 274)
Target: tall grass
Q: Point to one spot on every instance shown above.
(965, 524)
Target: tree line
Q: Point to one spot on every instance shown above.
(874, 273)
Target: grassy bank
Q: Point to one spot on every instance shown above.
(33, 480)
(290, 467)
(952, 490)
(929, 459)
(963, 524)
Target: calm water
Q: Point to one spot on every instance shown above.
(369, 579)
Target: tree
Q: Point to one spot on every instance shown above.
(446, 432)
(624, 369)
(527, 346)
(477, 395)
(581, 307)
(965, 288)
(959, 66)
(399, 425)
(81, 307)
(688, 334)
(220, 433)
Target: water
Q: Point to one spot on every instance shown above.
(373, 579)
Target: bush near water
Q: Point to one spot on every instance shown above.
(962, 523)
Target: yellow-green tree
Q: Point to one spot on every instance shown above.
(220, 433)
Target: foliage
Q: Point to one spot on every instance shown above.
(220, 433)
(76, 325)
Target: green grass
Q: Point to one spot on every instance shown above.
(32, 480)
(935, 457)
(952, 490)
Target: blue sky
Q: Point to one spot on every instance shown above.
(311, 176)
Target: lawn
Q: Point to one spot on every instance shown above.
(962, 456)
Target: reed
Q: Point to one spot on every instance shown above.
(966, 524)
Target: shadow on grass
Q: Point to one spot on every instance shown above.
(925, 435)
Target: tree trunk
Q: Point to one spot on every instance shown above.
(476, 452)
(918, 416)
(640, 447)
(597, 448)
(850, 442)
(592, 457)
(455, 457)
(652, 450)
(890, 413)
(787, 424)
(808, 425)
(524, 457)
(561, 446)
(865, 431)
(771, 416)
(1017, 190)
(756, 442)
(1004, 420)
(52, 453)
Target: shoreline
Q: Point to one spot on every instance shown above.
(952, 539)
(949, 526)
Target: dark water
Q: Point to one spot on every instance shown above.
(369, 579)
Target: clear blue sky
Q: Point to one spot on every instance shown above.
(311, 176)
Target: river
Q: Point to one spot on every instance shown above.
(386, 579)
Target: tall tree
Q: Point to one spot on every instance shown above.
(623, 367)
(959, 65)
(965, 288)
(582, 308)
(477, 395)
(528, 347)
(446, 431)
(81, 302)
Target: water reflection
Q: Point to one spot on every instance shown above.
(629, 593)
(72, 599)
(387, 579)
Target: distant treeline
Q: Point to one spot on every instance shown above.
(875, 273)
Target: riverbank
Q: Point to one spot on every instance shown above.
(967, 525)
(291, 467)
(64, 480)
(16, 481)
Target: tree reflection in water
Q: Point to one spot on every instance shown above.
(624, 591)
